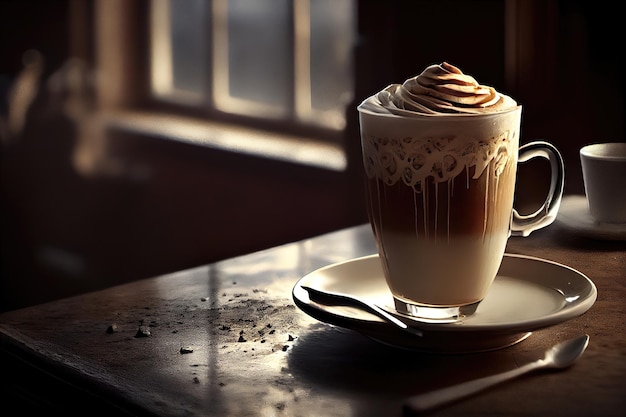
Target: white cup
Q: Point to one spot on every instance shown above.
(604, 176)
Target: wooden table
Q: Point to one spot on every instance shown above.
(226, 339)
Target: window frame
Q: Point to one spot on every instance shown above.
(300, 121)
(123, 99)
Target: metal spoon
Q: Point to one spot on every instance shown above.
(336, 299)
(559, 356)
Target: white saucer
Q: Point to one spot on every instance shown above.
(574, 215)
(528, 294)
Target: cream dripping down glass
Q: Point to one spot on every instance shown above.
(440, 154)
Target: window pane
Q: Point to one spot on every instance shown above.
(332, 37)
(189, 37)
(259, 51)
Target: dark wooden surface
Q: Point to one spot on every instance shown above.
(255, 353)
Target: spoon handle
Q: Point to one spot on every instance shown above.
(339, 299)
(433, 399)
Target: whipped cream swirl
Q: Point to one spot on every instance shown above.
(439, 90)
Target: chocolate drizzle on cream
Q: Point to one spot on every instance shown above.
(439, 89)
(413, 162)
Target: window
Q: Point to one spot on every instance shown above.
(287, 61)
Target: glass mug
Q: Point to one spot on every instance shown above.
(440, 192)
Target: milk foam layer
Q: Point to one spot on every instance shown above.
(441, 158)
(412, 150)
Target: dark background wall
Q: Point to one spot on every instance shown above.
(179, 205)
(169, 206)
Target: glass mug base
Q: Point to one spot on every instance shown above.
(434, 314)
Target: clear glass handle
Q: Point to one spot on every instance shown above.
(524, 225)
